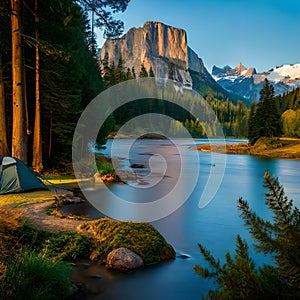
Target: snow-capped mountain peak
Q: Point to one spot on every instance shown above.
(247, 82)
(285, 73)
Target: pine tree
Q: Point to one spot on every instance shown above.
(266, 120)
(253, 128)
(143, 72)
(128, 74)
(133, 72)
(103, 11)
(4, 57)
(37, 153)
(239, 278)
(19, 125)
(281, 238)
(151, 73)
(3, 135)
(105, 70)
(119, 72)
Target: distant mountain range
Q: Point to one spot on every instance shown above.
(164, 50)
(247, 82)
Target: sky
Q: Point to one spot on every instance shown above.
(259, 33)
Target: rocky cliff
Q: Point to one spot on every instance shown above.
(162, 48)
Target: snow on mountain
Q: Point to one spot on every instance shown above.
(238, 80)
(247, 83)
(289, 74)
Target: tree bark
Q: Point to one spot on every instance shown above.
(37, 160)
(3, 136)
(19, 137)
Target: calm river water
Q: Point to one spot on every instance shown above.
(214, 226)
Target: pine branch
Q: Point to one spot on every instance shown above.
(276, 196)
(214, 264)
(260, 229)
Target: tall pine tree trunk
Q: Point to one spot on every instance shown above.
(3, 137)
(37, 160)
(19, 138)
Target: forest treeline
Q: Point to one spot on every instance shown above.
(232, 117)
(49, 72)
(274, 116)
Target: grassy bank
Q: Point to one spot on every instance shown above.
(286, 148)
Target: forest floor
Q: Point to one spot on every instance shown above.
(285, 148)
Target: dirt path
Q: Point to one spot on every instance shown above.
(37, 215)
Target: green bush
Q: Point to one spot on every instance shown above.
(105, 169)
(31, 276)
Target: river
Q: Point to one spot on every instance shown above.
(215, 226)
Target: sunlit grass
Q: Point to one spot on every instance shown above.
(27, 198)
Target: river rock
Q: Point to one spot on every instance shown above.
(137, 166)
(113, 177)
(123, 259)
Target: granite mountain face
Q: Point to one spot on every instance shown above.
(247, 83)
(163, 49)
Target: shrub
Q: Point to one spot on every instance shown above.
(105, 169)
(67, 246)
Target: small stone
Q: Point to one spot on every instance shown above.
(137, 166)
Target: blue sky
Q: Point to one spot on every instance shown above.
(259, 33)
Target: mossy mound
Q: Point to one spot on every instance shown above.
(141, 238)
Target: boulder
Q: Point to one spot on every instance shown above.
(123, 259)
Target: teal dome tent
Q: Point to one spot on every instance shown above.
(16, 177)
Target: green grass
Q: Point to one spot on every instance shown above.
(31, 276)
(141, 238)
(68, 246)
(31, 261)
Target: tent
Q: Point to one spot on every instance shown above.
(16, 177)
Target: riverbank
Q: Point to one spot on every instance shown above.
(30, 233)
(285, 148)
